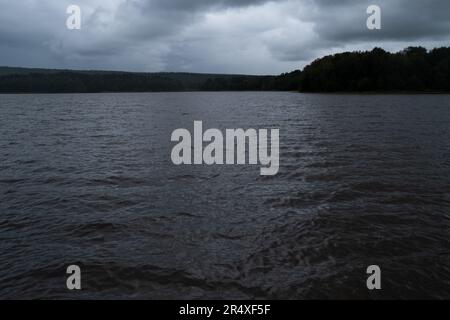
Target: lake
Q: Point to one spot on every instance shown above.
(87, 179)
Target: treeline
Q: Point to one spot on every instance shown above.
(90, 82)
(412, 70)
(67, 82)
(284, 82)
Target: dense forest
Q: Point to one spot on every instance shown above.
(411, 70)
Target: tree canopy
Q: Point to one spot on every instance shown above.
(413, 69)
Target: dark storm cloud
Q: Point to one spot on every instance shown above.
(194, 5)
(161, 17)
(236, 36)
(402, 20)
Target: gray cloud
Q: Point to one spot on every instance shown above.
(402, 20)
(233, 36)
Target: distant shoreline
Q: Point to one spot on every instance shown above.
(375, 93)
(414, 70)
(22, 80)
(237, 91)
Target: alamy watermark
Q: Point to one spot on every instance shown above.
(190, 149)
(73, 22)
(74, 280)
(374, 280)
(374, 20)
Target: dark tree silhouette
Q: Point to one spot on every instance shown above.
(411, 70)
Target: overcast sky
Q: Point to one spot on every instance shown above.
(213, 36)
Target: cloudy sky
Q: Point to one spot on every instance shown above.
(214, 36)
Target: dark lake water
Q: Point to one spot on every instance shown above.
(88, 180)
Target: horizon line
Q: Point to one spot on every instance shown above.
(141, 72)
